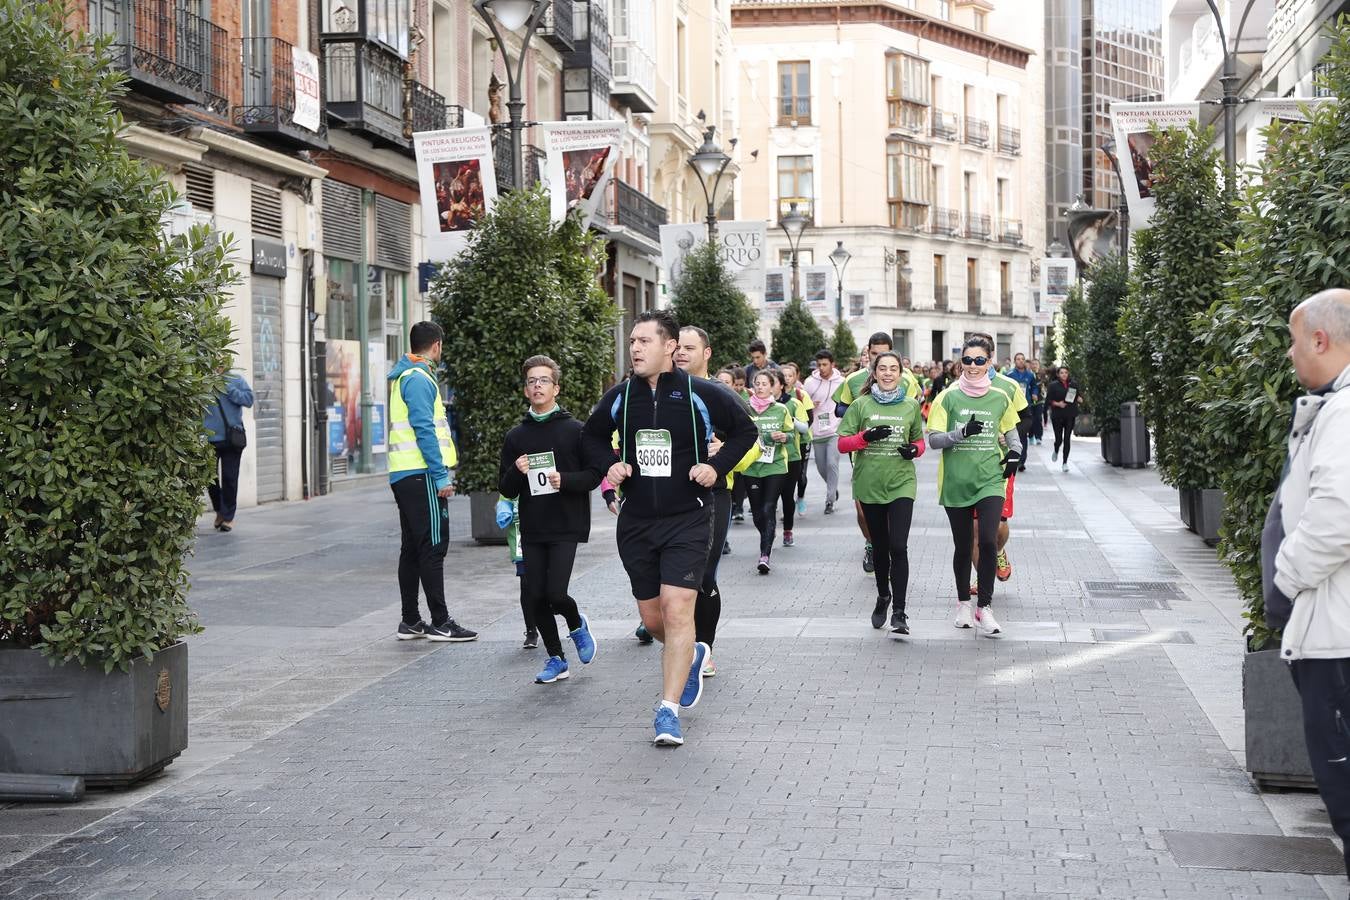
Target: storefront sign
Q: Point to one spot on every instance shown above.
(457, 181)
(269, 258)
(1133, 124)
(307, 98)
(581, 158)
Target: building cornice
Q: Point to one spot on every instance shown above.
(247, 150)
(162, 148)
(781, 13)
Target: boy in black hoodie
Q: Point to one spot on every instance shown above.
(543, 465)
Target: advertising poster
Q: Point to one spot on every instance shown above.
(1058, 273)
(1133, 124)
(1280, 113)
(777, 286)
(457, 183)
(819, 287)
(307, 98)
(379, 392)
(581, 158)
(344, 398)
(742, 248)
(677, 242)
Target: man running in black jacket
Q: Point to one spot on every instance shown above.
(666, 420)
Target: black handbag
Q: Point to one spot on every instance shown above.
(235, 436)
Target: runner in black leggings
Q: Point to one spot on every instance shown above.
(801, 433)
(1062, 398)
(764, 478)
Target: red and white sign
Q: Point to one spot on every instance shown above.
(307, 99)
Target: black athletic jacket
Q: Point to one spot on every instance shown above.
(563, 517)
(692, 410)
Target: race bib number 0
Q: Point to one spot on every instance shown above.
(767, 452)
(653, 452)
(541, 466)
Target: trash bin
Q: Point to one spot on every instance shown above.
(1134, 449)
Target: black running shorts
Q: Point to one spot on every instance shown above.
(667, 550)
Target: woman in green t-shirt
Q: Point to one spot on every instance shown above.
(973, 472)
(884, 429)
(764, 478)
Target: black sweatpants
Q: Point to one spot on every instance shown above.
(224, 491)
(739, 493)
(763, 494)
(1063, 426)
(806, 466)
(548, 572)
(789, 492)
(424, 522)
(1037, 420)
(963, 522)
(708, 606)
(1324, 687)
(888, 523)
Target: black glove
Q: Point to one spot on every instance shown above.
(909, 451)
(1010, 463)
(972, 428)
(877, 433)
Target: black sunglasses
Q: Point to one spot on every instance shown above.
(974, 360)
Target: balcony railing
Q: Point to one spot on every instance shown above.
(945, 221)
(904, 295)
(269, 95)
(977, 132)
(805, 206)
(532, 161)
(940, 297)
(944, 125)
(977, 226)
(556, 27)
(632, 209)
(1009, 140)
(364, 88)
(167, 52)
(902, 115)
(973, 295)
(1005, 304)
(429, 110)
(1009, 231)
(634, 82)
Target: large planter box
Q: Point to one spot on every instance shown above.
(483, 519)
(1111, 448)
(1134, 447)
(1084, 425)
(114, 729)
(1277, 754)
(1188, 497)
(1207, 515)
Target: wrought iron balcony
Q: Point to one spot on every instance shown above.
(1005, 304)
(634, 210)
(940, 297)
(1009, 231)
(429, 110)
(976, 133)
(269, 95)
(167, 52)
(944, 125)
(973, 296)
(977, 226)
(536, 160)
(556, 27)
(1009, 140)
(532, 160)
(904, 295)
(945, 221)
(364, 88)
(902, 115)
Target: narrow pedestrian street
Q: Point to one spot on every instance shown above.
(825, 759)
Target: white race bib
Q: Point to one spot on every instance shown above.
(653, 454)
(767, 452)
(823, 418)
(541, 466)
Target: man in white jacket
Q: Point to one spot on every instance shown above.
(1310, 520)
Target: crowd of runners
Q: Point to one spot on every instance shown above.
(678, 452)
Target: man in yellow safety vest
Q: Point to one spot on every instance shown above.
(421, 459)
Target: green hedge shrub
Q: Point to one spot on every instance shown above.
(1105, 377)
(843, 345)
(797, 336)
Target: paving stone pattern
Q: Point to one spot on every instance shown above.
(826, 759)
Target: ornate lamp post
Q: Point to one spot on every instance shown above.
(793, 225)
(511, 15)
(839, 258)
(710, 163)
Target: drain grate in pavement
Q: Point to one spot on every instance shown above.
(1126, 604)
(1162, 590)
(1127, 635)
(1255, 853)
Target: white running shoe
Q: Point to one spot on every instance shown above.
(988, 625)
(963, 617)
(1064, 468)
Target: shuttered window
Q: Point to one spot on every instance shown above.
(201, 187)
(341, 220)
(267, 211)
(393, 233)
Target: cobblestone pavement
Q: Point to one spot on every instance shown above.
(826, 759)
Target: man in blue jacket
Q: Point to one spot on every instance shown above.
(421, 462)
(225, 423)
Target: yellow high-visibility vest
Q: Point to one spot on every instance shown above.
(404, 454)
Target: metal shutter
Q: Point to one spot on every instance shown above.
(393, 233)
(201, 187)
(269, 439)
(341, 220)
(267, 211)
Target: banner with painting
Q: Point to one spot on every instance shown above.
(457, 182)
(1133, 124)
(580, 159)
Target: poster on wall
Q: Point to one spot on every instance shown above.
(677, 242)
(1282, 113)
(819, 288)
(379, 391)
(1133, 124)
(343, 375)
(308, 101)
(777, 286)
(457, 182)
(581, 158)
(742, 246)
(1058, 273)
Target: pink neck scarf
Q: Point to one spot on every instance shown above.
(975, 387)
(761, 405)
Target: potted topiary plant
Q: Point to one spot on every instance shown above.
(524, 285)
(111, 348)
(1105, 377)
(706, 295)
(1076, 320)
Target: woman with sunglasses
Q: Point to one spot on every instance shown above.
(764, 478)
(965, 423)
(884, 428)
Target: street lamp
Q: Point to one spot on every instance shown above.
(839, 259)
(793, 224)
(1229, 80)
(511, 15)
(710, 163)
(1123, 238)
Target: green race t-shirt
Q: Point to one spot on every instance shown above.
(775, 418)
(880, 473)
(794, 443)
(973, 469)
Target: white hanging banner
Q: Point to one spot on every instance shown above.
(742, 246)
(1058, 273)
(677, 242)
(777, 286)
(1133, 125)
(458, 185)
(1286, 112)
(305, 70)
(581, 158)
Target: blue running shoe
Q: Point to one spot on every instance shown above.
(693, 688)
(585, 643)
(668, 731)
(554, 670)
(644, 637)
